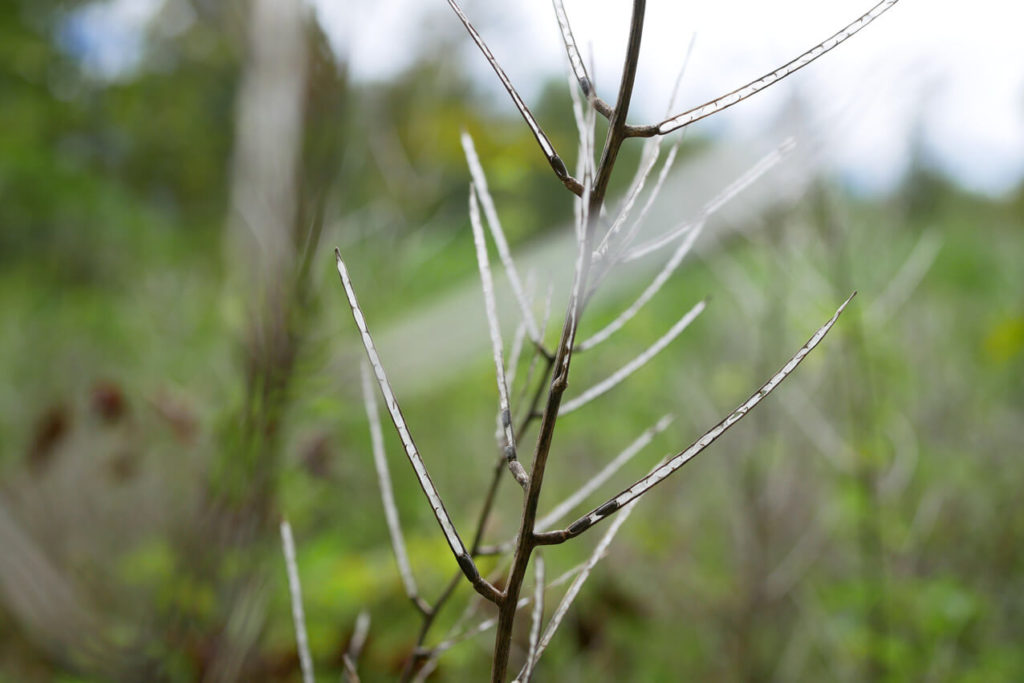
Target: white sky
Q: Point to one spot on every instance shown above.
(957, 73)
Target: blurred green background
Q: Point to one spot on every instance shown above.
(170, 391)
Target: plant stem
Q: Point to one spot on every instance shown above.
(563, 355)
(430, 614)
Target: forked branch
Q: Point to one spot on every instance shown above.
(463, 558)
(743, 92)
(590, 209)
(639, 488)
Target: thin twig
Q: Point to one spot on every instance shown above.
(679, 76)
(484, 516)
(557, 165)
(617, 125)
(464, 560)
(387, 494)
(641, 442)
(536, 616)
(532, 368)
(635, 364)
(666, 272)
(298, 615)
(648, 159)
(488, 624)
(487, 284)
(476, 170)
(745, 180)
(651, 151)
(907, 278)
(359, 633)
(428, 668)
(349, 670)
(577, 584)
(670, 160)
(627, 238)
(431, 656)
(586, 123)
(743, 92)
(595, 482)
(576, 62)
(518, 339)
(639, 488)
(355, 647)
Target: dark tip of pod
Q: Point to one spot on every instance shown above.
(578, 526)
(559, 166)
(468, 568)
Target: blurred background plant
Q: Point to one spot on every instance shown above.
(179, 370)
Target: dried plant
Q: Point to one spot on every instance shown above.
(605, 239)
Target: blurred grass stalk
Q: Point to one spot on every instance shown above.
(265, 272)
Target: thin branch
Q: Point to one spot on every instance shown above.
(518, 339)
(349, 672)
(476, 170)
(577, 584)
(595, 482)
(487, 284)
(682, 72)
(531, 369)
(907, 278)
(568, 342)
(639, 488)
(535, 617)
(576, 62)
(763, 165)
(428, 668)
(650, 151)
(464, 560)
(432, 655)
(743, 92)
(359, 633)
(557, 165)
(484, 516)
(355, 646)
(606, 472)
(488, 624)
(298, 615)
(635, 364)
(666, 272)
(617, 126)
(387, 493)
(581, 126)
(648, 159)
(485, 511)
(586, 123)
(670, 159)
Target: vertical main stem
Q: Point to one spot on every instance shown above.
(563, 355)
